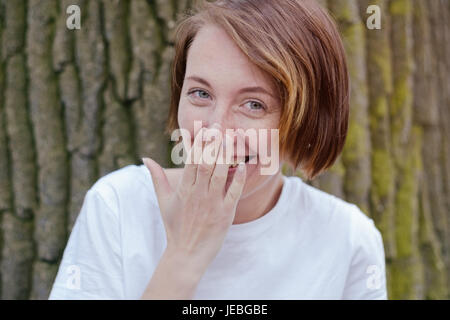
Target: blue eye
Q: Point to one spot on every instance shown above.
(206, 96)
(255, 105)
(252, 106)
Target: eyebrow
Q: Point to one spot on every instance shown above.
(247, 89)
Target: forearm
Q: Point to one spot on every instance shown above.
(175, 277)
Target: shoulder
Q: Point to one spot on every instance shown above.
(324, 205)
(345, 230)
(333, 214)
(132, 183)
(127, 184)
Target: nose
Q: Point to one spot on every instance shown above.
(219, 115)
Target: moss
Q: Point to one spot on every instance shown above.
(399, 7)
(406, 209)
(401, 95)
(400, 112)
(341, 10)
(436, 278)
(338, 168)
(408, 278)
(381, 196)
(382, 173)
(378, 114)
(355, 146)
(432, 258)
(382, 61)
(352, 35)
(404, 274)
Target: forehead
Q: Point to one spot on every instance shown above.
(214, 55)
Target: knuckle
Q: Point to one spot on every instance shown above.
(218, 177)
(182, 192)
(204, 169)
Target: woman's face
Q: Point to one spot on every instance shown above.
(215, 90)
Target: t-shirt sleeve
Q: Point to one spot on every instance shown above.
(366, 279)
(91, 266)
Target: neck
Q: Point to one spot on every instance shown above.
(260, 202)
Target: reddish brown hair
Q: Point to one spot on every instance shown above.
(298, 45)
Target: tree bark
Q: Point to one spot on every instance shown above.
(76, 105)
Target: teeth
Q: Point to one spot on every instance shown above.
(246, 160)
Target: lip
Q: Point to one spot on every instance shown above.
(246, 159)
(231, 170)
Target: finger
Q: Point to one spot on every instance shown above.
(240, 145)
(193, 159)
(209, 158)
(159, 178)
(220, 173)
(237, 185)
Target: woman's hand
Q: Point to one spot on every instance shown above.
(198, 213)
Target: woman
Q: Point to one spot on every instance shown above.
(214, 230)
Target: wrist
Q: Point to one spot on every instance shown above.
(175, 277)
(185, 265)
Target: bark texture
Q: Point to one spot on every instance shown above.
(78, 104)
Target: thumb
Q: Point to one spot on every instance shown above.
(159, 178)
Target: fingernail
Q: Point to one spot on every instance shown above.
(241, 166)
(144, 161)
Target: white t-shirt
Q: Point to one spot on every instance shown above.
(311, 245)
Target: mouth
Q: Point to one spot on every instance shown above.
(246, 160)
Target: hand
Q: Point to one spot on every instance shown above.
(199, 212)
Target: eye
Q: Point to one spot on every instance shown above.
(202, 93)
(255, 106)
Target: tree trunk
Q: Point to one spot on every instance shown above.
(78, 104)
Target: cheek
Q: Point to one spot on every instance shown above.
(188, 114)
(269, 141)
(190, 118)
(267, 137)
(183, 114)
